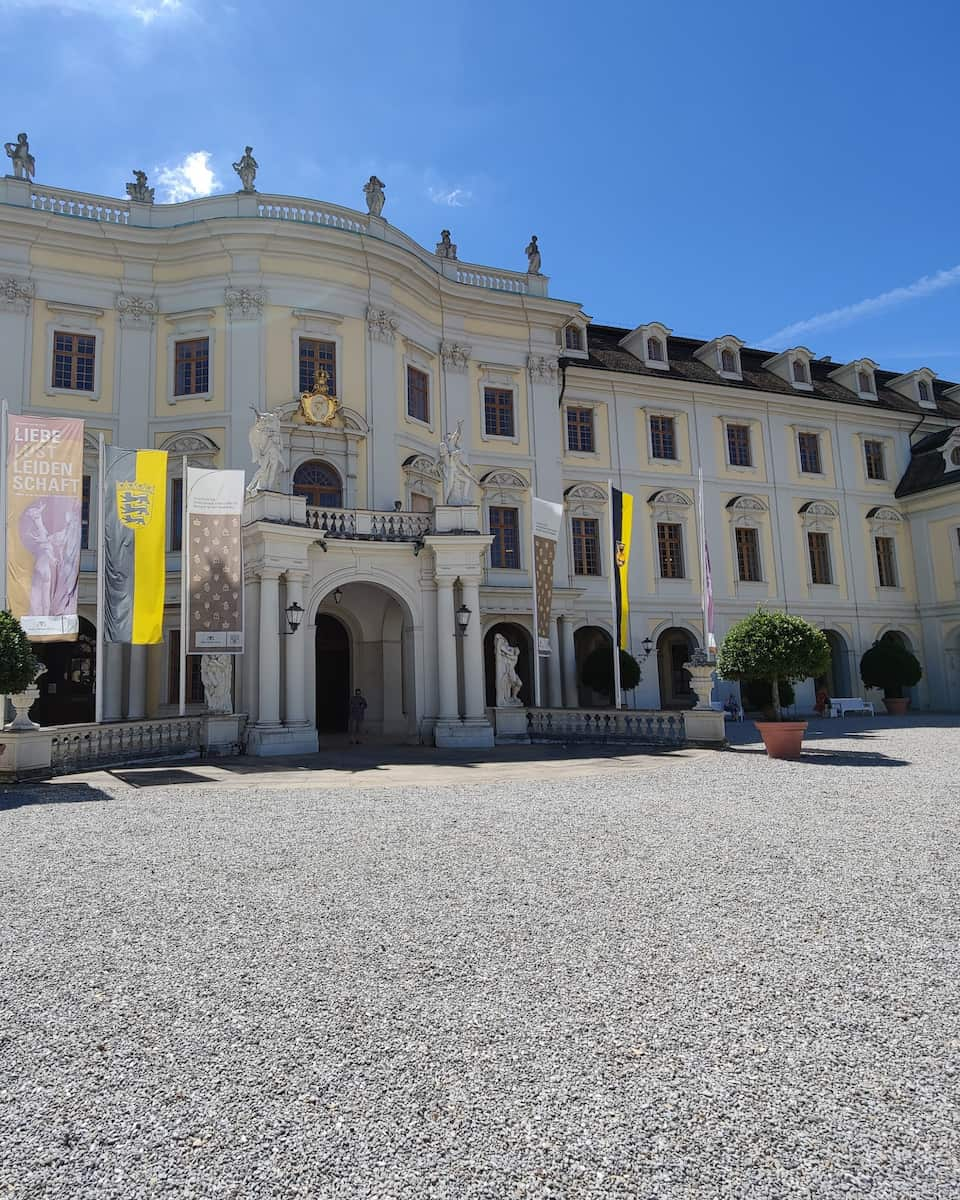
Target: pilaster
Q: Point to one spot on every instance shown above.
(384, 484)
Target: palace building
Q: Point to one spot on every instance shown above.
(832, 489)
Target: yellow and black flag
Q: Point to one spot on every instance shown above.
(621, 509)
(134, 527)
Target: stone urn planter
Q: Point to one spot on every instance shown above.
(783, 739)
(896, 706)
(22, 703)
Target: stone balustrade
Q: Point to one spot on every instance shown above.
(368, 525)
(79, 204)
(501, 281)
(74, 747)
(332, 215)
(603, 726)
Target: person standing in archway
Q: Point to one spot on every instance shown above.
(358, 708)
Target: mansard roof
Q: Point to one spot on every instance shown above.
(928, 467)
(604, 353)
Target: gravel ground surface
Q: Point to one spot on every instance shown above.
(723, 977)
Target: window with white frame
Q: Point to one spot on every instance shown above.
(747, 540)
(808, 446)
(728, 361)
(663, 436)
(818, 549)
(580, 430)
(585, 532)
(923, 391)
(498, 416)
(865, 381)
(670, 549)
(418, 394)
(505, 527)
(654, 349)
(191, 366)
(573, 337)
(886, 561)
(799, 371)
(739, 451)
(873, 459)
(316, 355)
(74, 361)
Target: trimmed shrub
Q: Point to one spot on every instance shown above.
(773, 647)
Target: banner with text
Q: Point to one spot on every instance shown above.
(44, 524)
(547, 521)
(213, 556)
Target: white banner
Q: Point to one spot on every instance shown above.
(213, 559)
(547, 519)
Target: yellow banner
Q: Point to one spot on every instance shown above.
(149, 550)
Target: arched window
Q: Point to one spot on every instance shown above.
(864, 381)
(573, 338)
(654, 349)
(799, 371)
(320, 483)
(728, 362)
(924, 389)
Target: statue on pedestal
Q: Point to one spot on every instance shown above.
(373, 190)
(266, 446)
(216, 674)
(247, 168)
(533, 256)
(445, 247)
(508, 681)
(458, 480)
(138, 190)
(23, 161)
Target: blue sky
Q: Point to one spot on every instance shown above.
(785, 171)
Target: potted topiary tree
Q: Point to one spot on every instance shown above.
(774, 648)
(889, 665)
(19, 668)
(597, 671)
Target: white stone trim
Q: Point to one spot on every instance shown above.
(16, 294)
(136, 312)
(382, 324)
(244, 303)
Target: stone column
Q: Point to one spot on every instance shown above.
(269, 678)
(248, 700)
(112, 676)
(447, 651)
(295, 701)
(137, 685)
(555, 690)
(569, 652)
(474, 699)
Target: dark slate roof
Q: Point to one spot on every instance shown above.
(927, 468)
(605, 354)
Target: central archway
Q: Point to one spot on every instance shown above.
(674, 647)
(332, 651)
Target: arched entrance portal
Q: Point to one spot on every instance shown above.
(837, 679)
(333, 674)
(674, 647)
(67, 686)
(586, 640)
(516, 635)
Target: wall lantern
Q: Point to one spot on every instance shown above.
(337, 596)
(294, 617)
(647, 647)
(463, 620)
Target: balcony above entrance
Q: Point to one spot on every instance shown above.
(364, 524)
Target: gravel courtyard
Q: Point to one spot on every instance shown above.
(704, 976)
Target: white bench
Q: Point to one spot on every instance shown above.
(841, 705)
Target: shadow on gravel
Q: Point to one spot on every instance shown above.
(833, 758)
(28, 796)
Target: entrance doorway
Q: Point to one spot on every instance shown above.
(333, 675)
(586, 640)
(67, 686)
(837, 679)
(674, 647)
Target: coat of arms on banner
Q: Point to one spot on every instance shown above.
(621, 554)
(135, 504)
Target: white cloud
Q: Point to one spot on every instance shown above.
(926, 286)
(144, 11)
(187, 179)
(456, 197)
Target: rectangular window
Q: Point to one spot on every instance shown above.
(886, 562)
(498, 412)
(505, 527)
(580, 429)
(175, 516)
(74, 357)
(818, 545)
(809, 445)
(192, 367)
(748, 555)
(194, 681)
(572, 338)
(418, 394)
(314, 355)
(663, 438)
(670, 549)
(85, 514)
(586, 545)
(873, 456)
(738, 445)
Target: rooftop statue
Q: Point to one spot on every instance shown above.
(138, 190)
(533, 256)
(23, 161)
(446, 248)
(266, 447)
(459, 481)
(373, 190)
(246, 168)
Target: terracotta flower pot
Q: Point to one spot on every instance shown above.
(896, 706)
(783, 739)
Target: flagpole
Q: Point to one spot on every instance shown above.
(536, 607)
(101, 678)
(702, 536)
(184, 555)
(617, 692)
(3, 529)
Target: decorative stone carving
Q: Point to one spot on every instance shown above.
(190, 444)
(216, 674)
(459, 481)
(382, 324)
(445, 247)
(16, 294)
(543, 367)
(700, 668)
(585, 491)
(747, 504)
(884, 516)
(266, 446)
(504, 479)
(667, 497)
(373, 190)
(19, 154)
(455, 357)
(244, 304)
(23, 702)
(247, 169)
(533, 256)
(318, 406)
(138, 189)
(818, 508)
(136, 312)
(418, 466)
(508, 681)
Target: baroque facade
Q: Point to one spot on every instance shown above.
(832, 490)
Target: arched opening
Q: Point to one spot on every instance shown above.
(897, 635)
(836, 682)
(516, 635)
(320, 483)
(585, 640)
(654, 349)
(332, 649)
(674, 647)
(68, 684)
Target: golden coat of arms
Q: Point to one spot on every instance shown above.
(317, 406)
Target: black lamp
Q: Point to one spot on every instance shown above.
(463, 620)
(647, 647)
(337, 596)
(294, 617)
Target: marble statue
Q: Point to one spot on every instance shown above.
(446, 248)
(23, 161)
(508, 681)
(216, 674)
(266, 447)
(373, 190)
(533, 256)
(138, 190)
(246, 168)
(459, 481)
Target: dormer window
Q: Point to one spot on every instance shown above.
(654, 349)
(857, 376)
(792, 366)
(648, 343)
(923, 391)
(722, 355)
(799, 371)
(728, 362)
(865, 382)
(573, 338)
(917, 386)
